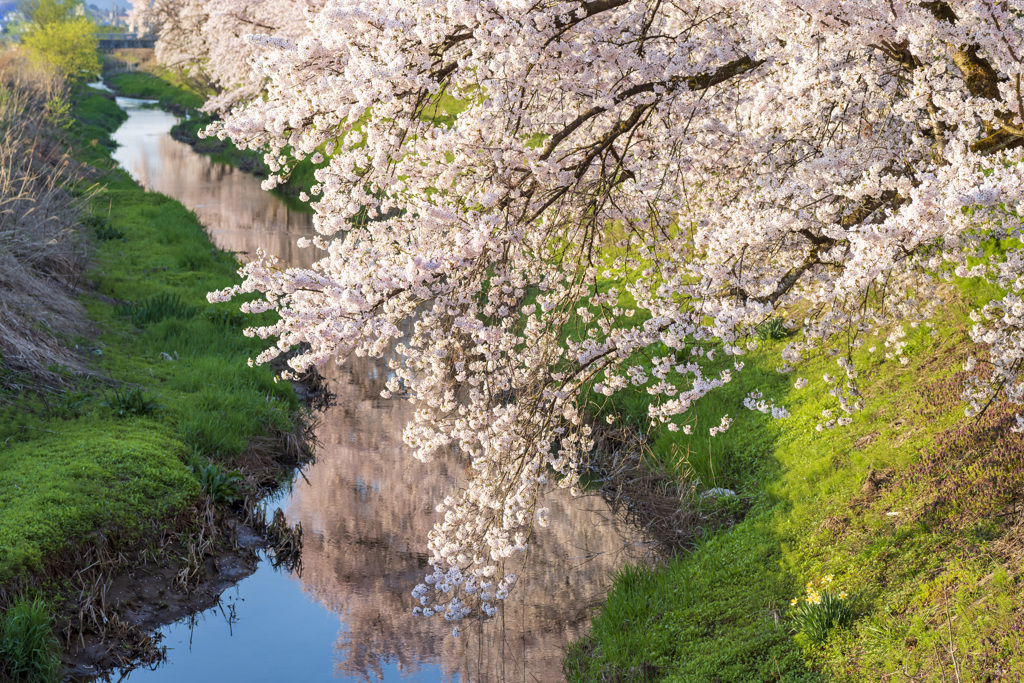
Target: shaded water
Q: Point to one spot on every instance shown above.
(365, 506)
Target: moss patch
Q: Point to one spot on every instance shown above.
(91, 475)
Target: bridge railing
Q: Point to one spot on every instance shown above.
(120, 40)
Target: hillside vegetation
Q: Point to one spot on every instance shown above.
(905, 527)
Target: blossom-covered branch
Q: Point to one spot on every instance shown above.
(723, 162)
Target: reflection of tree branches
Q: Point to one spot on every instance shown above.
(362, 556)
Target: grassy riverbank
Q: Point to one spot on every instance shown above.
(911, 514)
(160, 407)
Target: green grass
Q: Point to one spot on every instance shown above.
(28, 649)
(88, 474)
(145, 86)
(112, 458)
(97, 115)
(164, 267)
(706, 616)
(925, 554)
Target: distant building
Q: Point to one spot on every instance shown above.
(108, 14)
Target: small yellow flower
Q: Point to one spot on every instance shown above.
(827, 580)
(794, 601)
(842, 595)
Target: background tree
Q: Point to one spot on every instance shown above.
(69, 46)
(207, 42)
(45, 12)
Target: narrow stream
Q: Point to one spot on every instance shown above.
(365, 506)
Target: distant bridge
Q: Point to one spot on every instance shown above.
(108, 42)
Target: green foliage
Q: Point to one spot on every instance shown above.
(28, 648)
(46, 12)
(222, 486)
(102, 229)
(821, 610)
(69, 46)
(66, 406)
(130, 401)
(158, 307)
(58, 113)
(773, 329)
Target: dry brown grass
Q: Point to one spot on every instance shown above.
(667, 510)
(43, 248)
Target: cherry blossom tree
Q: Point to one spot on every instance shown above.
(720, 162)
(207, 41)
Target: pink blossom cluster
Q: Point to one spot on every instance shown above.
(721, 161)
(214, 43)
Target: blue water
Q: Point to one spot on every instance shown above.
(266, 629)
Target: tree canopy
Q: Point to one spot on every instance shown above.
(718, 163)
(69, 46)
(45, 12)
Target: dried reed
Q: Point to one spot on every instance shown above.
(665, 508)
(43, 248)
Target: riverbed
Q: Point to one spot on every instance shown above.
(365, 507)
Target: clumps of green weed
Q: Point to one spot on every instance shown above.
(822, 609)
(130, 401)
(102, 229)
(773, 329)
(156, 308)
(28, 648)
(66, 406)
(226, 317)
(223, 486)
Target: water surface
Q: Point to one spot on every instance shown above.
(365, 506)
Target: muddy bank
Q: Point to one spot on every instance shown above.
(117, 594)
(124, 594)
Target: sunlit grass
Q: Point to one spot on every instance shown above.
(171, 379)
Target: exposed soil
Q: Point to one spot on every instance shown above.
(145, 597)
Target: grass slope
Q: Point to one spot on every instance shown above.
(171, 377)
(912, 509)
